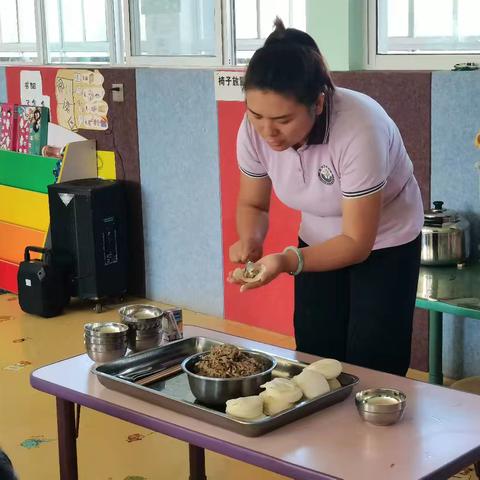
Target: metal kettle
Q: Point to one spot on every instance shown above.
(445, 237)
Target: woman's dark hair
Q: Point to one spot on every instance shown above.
(289, 63)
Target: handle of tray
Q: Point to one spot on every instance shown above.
(168, 372)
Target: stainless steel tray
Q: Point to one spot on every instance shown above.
(155, 376)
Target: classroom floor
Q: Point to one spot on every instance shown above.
(108, 448)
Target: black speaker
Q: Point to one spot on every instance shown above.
(88, 226)
(43, 287)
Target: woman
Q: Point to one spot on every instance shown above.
(335, 155)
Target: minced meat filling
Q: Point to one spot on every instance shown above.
(227, 361)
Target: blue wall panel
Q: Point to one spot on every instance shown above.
(179, 169)
(455, 180)
(3, 85)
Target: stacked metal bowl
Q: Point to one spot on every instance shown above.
(105, 342)
(144, 326)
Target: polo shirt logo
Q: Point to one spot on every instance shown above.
(325, 175)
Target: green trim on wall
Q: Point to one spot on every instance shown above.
(357, 34)
(28, 172)
(338, 28)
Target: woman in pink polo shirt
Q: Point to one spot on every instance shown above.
(336, 156)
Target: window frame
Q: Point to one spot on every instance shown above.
(119, 37)
(402, 61)
(222, 55)
(24, 46)
(119, 30)
(251, 44)
(114, 33)
(82, 46)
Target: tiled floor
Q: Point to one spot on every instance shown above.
(108, 448)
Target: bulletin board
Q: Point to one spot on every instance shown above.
(117, 133)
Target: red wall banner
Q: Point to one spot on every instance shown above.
(48, 75)
(270, 307)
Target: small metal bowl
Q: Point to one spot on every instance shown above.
(105, 355)
(216, 391)
(137, 342)
(141, 316)
(106, 330)
(105, 342)
(381, 406)
(144, 326)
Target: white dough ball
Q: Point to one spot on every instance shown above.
(334, 384)
(248, 408)
(312, 383)
(283, 388)
(274, 404)
(328, 367)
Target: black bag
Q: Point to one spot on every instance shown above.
(43, 286)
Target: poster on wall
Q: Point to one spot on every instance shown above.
(7, 126)
(229, 85)
(80, 100)
(32, 128)
(31, 89)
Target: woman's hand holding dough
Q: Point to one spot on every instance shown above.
(269, 267)
(243, 250)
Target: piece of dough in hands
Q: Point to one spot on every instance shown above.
(239, 275)
(328, 367)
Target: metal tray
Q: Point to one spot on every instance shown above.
(155, 376)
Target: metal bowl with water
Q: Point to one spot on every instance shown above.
(216, 391)
(381, 406)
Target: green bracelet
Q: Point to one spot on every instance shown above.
(299, 254)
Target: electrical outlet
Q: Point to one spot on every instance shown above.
(117, 92)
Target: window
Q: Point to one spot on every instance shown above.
(426, 34)
(164, 32)
(254, 22)
(18, 36)
(77, 31)
(56, 31)
(189, 31)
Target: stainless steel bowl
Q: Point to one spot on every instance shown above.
(216, 391)
(105, 330)
(105, 342)
(100, 341)
(102, 355)
(137, 342)
(144, 326)
(141, 316)
(381, 406)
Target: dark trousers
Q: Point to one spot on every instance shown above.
(361, 314)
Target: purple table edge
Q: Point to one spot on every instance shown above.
(66, 399)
